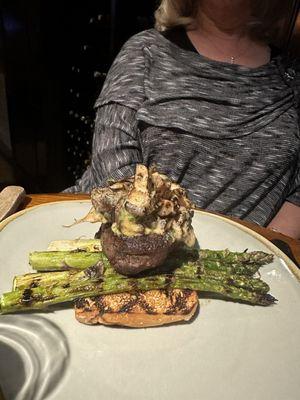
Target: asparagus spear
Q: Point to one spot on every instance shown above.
(253, 257)
(92, 282)
(94, 245)
(91, 245)
(238, 263)
(62, 260)
(221, 260)
(29, 281)
(63, 278)
(41, 297)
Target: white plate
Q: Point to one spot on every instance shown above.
(230, 351)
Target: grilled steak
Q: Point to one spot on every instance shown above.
(138, 310)
(132, 254)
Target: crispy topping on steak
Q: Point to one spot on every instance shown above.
(148, 203)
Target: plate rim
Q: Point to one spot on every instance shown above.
(289, 263)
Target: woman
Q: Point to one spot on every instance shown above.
(205, 98)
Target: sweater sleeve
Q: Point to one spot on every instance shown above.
(294, 195)
(116, 148)
(124, 83)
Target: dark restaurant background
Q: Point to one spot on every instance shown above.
(54, 56)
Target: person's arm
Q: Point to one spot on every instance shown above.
(287, 220)
(116, 148)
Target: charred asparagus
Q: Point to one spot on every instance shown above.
(222, 260)
(93, 282)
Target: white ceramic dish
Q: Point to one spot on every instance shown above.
(230, 351)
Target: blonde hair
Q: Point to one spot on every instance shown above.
(266, 23)
(171, 13)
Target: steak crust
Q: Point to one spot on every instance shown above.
(138, 310)
(130, 255)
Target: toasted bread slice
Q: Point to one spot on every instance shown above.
(138, 310)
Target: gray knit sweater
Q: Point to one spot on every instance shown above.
(227, 133)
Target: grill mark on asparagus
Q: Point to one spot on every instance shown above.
(34, 284)
(169, 280)
(199, 272)
(133, 285)
(26, 298)
(95, 271)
